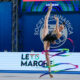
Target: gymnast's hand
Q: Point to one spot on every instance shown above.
(56, 18)
(54, 42)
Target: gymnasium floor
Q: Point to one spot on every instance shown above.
(25, 76)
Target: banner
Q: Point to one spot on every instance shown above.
(33, 60)
(33, 26)
(57, 6)
(48, 0)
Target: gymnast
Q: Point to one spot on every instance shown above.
(50, 37)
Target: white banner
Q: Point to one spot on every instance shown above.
(33, 61)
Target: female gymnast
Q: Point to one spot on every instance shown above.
(49, 38)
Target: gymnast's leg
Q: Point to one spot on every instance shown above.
(45, 28)
(47, 47)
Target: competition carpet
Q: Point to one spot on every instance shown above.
(25, 76)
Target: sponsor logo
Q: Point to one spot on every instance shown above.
(68, 30)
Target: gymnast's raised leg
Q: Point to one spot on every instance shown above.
(45, 32)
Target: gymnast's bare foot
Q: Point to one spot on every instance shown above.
(51, 76)
(50, 7)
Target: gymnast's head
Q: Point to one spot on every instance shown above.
(61, 27)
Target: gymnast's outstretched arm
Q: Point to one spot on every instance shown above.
(57, 23)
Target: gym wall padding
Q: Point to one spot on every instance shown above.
(5, 26)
